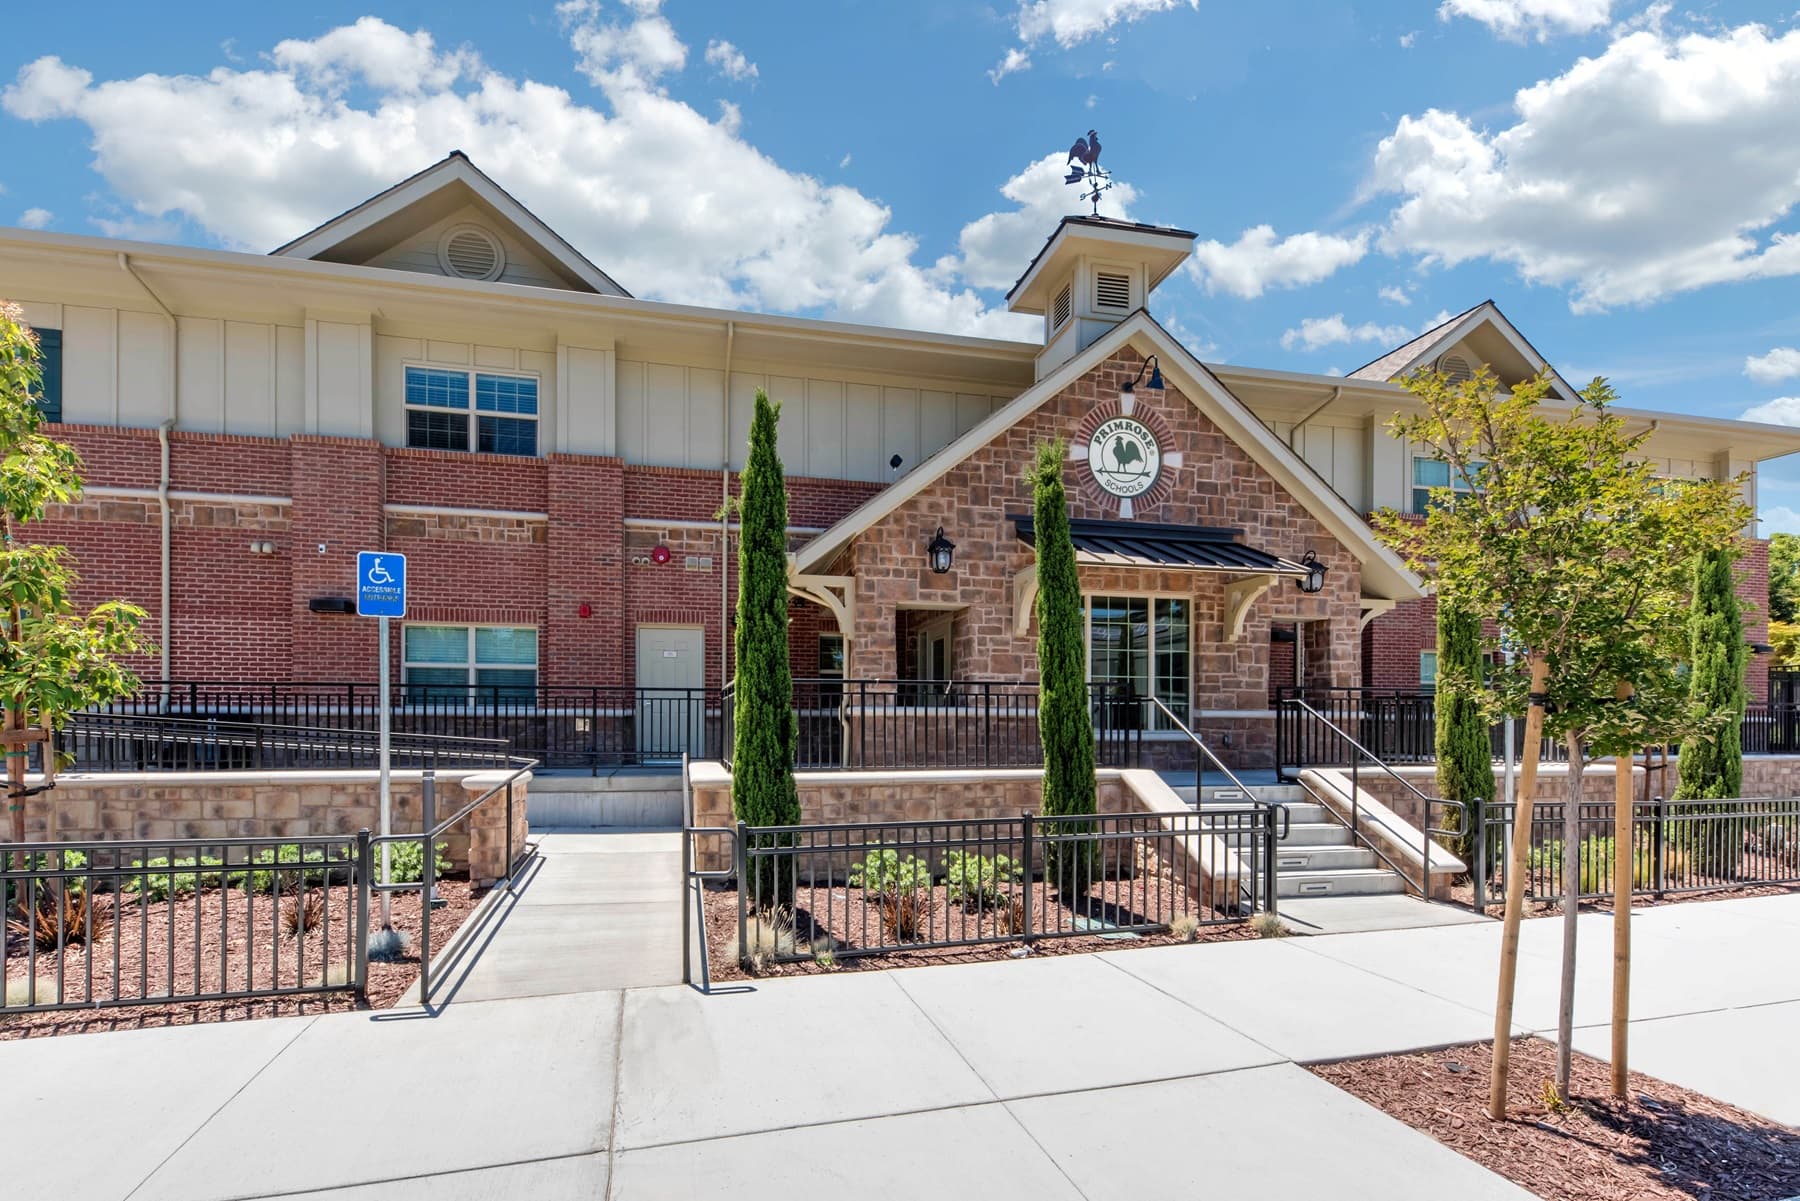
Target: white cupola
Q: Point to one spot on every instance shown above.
(1092, 274)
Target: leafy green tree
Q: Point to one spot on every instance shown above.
(1465, 754)
(1065, 723)
(54, 658)
(1784, 577)
(763, 792)
(1563, 538)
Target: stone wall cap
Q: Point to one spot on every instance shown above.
(74, 779)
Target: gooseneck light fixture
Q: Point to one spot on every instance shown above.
(1314, 579)
(1156, 380)
(940, 552)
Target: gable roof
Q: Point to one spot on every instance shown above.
(453, 173)
(1384, 574)
(1425, 348)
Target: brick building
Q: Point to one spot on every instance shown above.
(438, 374)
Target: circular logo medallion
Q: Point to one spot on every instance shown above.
(1124, 457)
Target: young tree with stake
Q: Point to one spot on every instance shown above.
(1563, 539)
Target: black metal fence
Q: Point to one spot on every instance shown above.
(103, 924)
(1676, 847)
(135, 742)
(583, 727)
(870, 724)
(843, 890)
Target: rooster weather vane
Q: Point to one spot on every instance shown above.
(1085, 169)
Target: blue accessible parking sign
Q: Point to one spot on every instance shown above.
(380, 584)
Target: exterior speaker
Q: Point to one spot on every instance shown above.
(331, 604)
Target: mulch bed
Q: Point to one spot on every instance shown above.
(848, 918)
(1665, 1142)
(1463, 893)
(137, 936)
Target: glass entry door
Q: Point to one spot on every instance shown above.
(1140, 645)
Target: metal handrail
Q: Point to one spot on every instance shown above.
(1200, 744)
(1427, 831)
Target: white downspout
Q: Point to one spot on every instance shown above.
(725, 518)
(162, 479)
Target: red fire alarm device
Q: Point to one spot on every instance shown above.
(586, 610)
(660, 555)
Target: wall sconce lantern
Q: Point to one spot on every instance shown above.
(939, 552)
(1314, 579)
(1156, 380)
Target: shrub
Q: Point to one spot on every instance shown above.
(160, 878)
(1186, 927)
(388, 944)
(889, 873)
(302, 915)
(1596, 851)
(59, 920)
(975, 880)
(406, 861)
(1268, 925)
(906, 916)
(769, 939)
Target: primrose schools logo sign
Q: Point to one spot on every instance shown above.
(1124, 457)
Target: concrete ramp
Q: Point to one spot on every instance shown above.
(594, 910)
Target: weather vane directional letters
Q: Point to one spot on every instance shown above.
(1085, 169)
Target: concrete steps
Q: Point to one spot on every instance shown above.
(1318, 858)
(634, 797)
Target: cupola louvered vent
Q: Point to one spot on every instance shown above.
(470, 252)
(1456, 368)
(1059, 312)
(1112, 291)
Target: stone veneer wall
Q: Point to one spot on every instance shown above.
(275, 805)
(1216, 484)
(889, 797)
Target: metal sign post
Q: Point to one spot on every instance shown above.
(381, 593)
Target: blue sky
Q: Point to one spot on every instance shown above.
(1620, 177)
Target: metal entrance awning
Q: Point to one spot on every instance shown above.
(1164, 547)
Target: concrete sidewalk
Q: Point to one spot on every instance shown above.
(1142, 1073)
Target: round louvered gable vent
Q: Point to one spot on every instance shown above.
(1456, 368)
(470, 252)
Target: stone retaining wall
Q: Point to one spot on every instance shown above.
(275, 805)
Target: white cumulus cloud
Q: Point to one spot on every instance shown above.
(1783, 410)
(1259, 260)
(672, 203)
(1781, 363)
(1316, 332)
(1662, 165)
(1516, 20)
(36, 218)
(729, 61)
(1071, 22)
(1779, 519)
(1394, 295)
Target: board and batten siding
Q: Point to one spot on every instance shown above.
(235, 377)
(1339, 453)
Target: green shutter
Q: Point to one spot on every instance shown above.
(50, 387)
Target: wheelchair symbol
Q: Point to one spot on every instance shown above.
(379, 574)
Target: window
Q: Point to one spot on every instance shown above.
(438, 404)
(831, 668)
(1141, 645)
(470, 664)
(49, 393)
(1435, 473)
(1428, 669)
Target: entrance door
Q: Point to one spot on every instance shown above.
(671, 696)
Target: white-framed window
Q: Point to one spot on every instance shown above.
(454, 409)
(1428, 669)
(472, 664)
(830, 668)
(1142, 644)
(1428, 474)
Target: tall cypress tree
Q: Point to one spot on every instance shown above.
(762, 754)
(1465, 754)
(1713, 767)
(1065, 723)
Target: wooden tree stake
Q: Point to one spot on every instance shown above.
(1518, 863)
(1624, 872)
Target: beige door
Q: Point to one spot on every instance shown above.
(671, 697)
